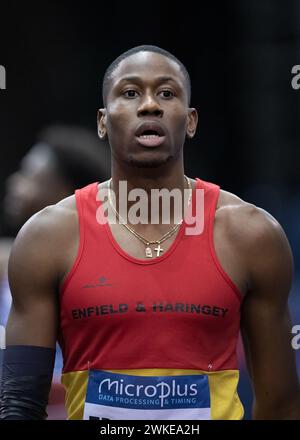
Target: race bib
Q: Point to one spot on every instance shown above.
(115, 396)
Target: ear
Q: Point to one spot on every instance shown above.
(101, 123)
(192, 123)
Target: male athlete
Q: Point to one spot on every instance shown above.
(148, 316)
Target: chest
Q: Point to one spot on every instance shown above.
(187, 289)
(144, 245)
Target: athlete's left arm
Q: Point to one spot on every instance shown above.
(266, 325)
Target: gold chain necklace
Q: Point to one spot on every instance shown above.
(148, 250)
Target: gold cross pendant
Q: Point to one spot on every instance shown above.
(158, 249)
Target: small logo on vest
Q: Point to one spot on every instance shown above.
(102, 281)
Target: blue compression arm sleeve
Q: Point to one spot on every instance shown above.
(26, 380)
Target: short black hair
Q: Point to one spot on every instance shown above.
(144, 48)
(80, 156)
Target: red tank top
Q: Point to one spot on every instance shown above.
(121, 312)
(177, 311)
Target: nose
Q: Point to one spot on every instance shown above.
(150, 106)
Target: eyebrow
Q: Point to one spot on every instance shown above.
(138, 79)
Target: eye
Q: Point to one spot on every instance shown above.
(167, 94)
(130, 93)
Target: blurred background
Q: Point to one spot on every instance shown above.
(239, 54)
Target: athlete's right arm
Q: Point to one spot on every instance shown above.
(34, 270)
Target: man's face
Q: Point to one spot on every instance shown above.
(147, 116)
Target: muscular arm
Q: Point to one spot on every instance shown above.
(36, 267)
(33, 280)
(265, 324)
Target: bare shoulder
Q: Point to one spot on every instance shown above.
(247, 221)
(43, 237)
(258, 237)
(52, 221)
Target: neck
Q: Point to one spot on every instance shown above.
(166, 178)
(170, 176)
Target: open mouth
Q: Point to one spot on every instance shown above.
(150, 135)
